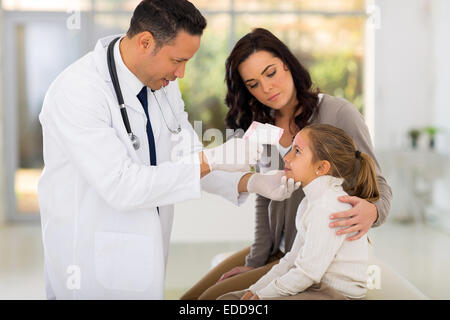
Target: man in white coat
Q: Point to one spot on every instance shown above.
(107, 207)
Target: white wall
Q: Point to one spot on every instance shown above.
(2, 134)
(411, 69)
(441, 58)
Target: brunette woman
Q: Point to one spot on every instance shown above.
(267, 83)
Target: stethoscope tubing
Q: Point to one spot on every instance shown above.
(123, 110)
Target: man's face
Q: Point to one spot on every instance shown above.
(167, 63)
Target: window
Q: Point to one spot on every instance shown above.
(327, 36)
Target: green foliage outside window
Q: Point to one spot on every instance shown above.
(331, 48)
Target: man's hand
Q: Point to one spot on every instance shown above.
(234, 272)
(357, 219)
(272, 185)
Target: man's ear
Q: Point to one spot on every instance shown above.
(145, 42)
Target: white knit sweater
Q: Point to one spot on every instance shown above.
(318, 254)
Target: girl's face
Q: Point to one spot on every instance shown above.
(268, 80)
(299, 161)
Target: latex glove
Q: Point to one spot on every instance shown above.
(234, 155)
(272, 185)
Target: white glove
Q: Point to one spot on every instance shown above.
(272, 185)
(234, 155)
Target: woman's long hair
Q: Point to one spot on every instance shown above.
(356, 168)
(243, 107)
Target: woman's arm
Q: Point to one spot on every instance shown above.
(353, 123)
(364, 214)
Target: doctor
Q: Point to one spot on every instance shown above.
(111, 172)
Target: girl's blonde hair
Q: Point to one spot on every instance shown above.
(356, 168)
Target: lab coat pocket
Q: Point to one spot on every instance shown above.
(123, 261)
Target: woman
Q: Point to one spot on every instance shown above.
(267, 83)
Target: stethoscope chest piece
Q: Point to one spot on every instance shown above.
(123, 110)
(135, 141)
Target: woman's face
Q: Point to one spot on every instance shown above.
(299, 161)
(268, 80)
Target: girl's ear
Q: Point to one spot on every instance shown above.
(324, 167)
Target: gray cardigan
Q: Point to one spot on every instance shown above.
(274, 217)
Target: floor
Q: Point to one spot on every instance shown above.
(420, 253)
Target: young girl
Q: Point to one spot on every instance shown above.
(321, 264)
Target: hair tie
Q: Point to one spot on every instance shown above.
(357, 154)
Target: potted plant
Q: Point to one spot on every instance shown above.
(414, 135)
(431, 131)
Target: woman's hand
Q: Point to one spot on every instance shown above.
(249, 296)
(358, 219)
(234, 272)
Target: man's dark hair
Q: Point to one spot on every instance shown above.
(165, 18)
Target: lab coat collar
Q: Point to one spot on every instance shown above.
(128, 81)
(100, 53)
(129, 78)
(316, 188)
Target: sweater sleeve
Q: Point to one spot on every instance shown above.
(279, 269)
(351, 121)
(312, 260)
(225, 184)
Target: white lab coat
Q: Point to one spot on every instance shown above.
(103, 237)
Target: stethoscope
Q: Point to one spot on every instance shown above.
(115, 81)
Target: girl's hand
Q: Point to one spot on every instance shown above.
(358, 219)
(249, 296)
(234, 272)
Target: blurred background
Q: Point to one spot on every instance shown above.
(388, 57)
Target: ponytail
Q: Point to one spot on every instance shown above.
(365, 183)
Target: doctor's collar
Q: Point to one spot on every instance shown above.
(130, 79)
